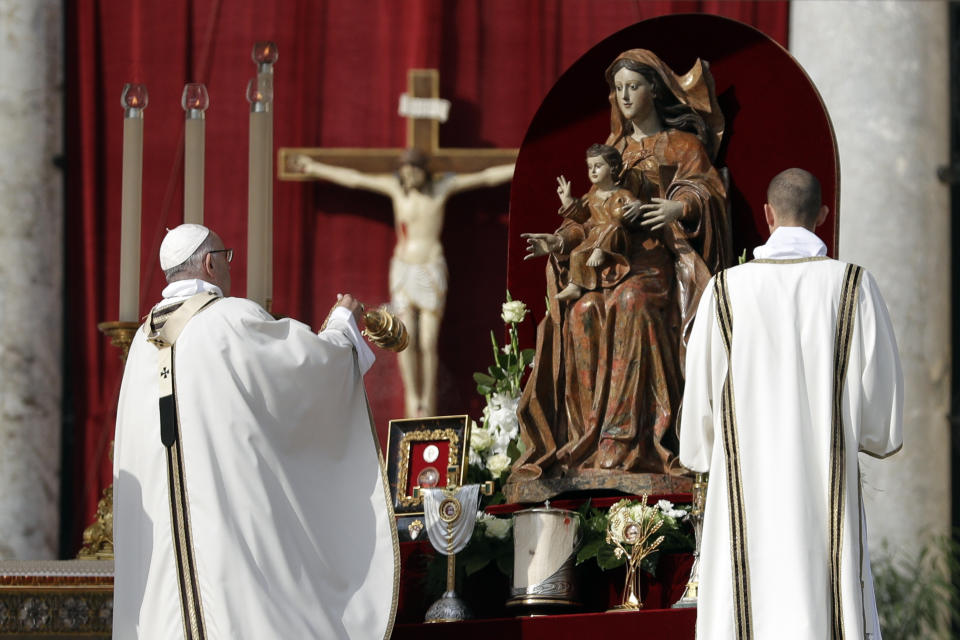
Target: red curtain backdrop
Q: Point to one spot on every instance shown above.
(341, 69)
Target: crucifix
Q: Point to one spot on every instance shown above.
(418, 180)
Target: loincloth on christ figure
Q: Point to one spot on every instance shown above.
(418, 285)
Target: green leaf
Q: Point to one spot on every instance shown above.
(649, 563)
(496, 372)
(482, 378)
(606, 559)
(475, 563)
(484, 390)
(527, 355)
(505, 563)
(496, 347)
(589, 550)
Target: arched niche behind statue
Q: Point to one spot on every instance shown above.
(775, 119)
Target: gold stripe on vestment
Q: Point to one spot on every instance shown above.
(388, 500)
(846, 314)
(190, 601)
(743, 617)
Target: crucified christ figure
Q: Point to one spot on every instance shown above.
(418, 270)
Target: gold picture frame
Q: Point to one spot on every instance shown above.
(427, 449)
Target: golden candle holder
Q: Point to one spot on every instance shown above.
(98, 537)
(121, 335)
(632, 526)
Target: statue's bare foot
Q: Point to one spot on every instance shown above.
(596, 258)
(526, 472)
(570, 292)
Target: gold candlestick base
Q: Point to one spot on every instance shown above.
(121, 335)
(98, 537)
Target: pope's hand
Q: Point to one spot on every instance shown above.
(352, 305)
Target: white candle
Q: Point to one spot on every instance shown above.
(256, 201)
(260, 185)
(134, 101)
(195, 102)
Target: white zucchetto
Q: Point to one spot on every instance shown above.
(180, 243)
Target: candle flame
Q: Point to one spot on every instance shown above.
(195, 97)
(264, 52)
(134, 96)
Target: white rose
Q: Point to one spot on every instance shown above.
(498, 463)
(498, 528)
(617, 521)
(480, 439)
(513, 312)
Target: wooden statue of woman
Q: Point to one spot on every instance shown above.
(603, 397)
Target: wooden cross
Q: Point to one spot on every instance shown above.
(422, 133)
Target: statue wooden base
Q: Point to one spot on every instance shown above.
(541, 489)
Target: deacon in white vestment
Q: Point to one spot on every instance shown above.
(253, 503)
(791, 370)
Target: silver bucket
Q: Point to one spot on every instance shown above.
(545, 542)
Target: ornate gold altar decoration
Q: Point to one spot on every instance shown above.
(630, 531)
(403, 472)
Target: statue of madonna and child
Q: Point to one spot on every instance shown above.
(625, 272)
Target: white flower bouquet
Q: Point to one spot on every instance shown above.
(495, 444)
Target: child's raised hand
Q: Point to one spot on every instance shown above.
(563, 190)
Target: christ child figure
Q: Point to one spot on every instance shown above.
(602, 258)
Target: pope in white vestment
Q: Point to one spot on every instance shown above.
(269, 517)
(792, 369)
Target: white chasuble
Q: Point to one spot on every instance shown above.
(286, 528)
(783, 388)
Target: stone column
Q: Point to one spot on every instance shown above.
(882, 68)
(31, 276)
